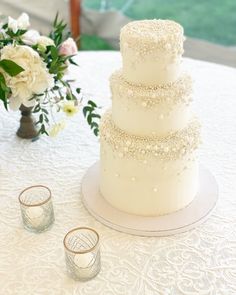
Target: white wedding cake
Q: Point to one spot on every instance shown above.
(149, 138)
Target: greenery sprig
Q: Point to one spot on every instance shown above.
(90, 113)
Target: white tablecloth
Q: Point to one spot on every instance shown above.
(201, 261)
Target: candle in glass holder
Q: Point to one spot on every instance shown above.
(36, 208)
(82, 253)
(35, 215)
(84, 260)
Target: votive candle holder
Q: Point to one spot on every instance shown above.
(37, 208)
(82, 253)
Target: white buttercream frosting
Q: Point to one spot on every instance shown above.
(151, 51)
(142, 110)
(150, 137)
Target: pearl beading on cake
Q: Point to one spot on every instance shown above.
(171, 147)
(173, 93)
(157, 34)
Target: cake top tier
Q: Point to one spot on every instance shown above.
(164, 34)
(151, 51)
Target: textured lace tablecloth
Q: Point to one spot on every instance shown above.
(201, 261)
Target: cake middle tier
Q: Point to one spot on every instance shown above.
(148, 175)
(146, 111)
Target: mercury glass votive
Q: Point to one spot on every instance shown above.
(82, 253)
(36, 208)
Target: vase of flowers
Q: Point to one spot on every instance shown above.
(33, 77)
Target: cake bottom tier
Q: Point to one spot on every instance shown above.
(147, 188)
(148, 176)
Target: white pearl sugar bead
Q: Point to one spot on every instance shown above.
(133, 178)
(161, 116)
(168, 46)
(166, 149)
(155, 189)
(130, 92)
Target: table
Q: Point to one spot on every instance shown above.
(201, 261)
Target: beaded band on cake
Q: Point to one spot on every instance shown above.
(173, 93)
(170, 147)
(161, 34)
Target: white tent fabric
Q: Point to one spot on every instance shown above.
(105, 24)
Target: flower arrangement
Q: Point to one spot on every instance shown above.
(33, 74)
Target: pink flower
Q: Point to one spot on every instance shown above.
(68, 47)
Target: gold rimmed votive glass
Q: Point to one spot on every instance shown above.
(82, 253)
(36, 208)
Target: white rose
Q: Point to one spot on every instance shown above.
(31, 37)
(12, 24)
(44, 41)
(3, 34)
(35, 78)
(22, 23)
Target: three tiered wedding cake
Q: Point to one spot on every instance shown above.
(149, 138)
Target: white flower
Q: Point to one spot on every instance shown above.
(3, 34)
(31, 37)
(35, 78)
(56, 128)
(70, 108)
(44, 41)
(12, 24)
(22, 23)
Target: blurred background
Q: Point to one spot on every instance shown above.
(210, 25)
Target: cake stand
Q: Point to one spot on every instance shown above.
(156, 226)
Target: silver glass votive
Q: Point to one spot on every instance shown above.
(36, 208)
(82, 253)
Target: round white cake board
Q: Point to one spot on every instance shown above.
(180, 221)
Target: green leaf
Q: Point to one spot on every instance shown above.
(73, 62)
(78, 90)
(96, 116)
(10, 67)
(41, 118)
(96, 131)
(86, 110)
(36, 109)
(55, 20)
(93, 104)
(94, 125)
(46, 119)
(4, 91)
(89, 119)
(45, 111)
(54, 52)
